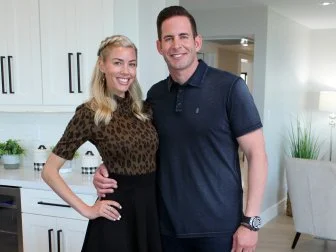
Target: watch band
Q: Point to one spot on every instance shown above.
(247, 226)
(253, 223)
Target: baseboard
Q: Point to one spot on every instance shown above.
(273, 211)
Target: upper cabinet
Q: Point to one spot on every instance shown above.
(48, 48)
(20, 59)
(71, 32)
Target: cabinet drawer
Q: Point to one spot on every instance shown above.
(49, 203)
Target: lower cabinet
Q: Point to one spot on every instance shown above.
(46, 233)
(49, 224)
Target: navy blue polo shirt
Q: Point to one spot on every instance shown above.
(199, 180)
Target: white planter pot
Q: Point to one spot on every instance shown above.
(11, 161)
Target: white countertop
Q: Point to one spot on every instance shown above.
(26, 177)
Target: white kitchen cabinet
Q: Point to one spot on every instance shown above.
(48, 222)
(20, 60)
(71, 31)
(40, 233)
(54, 46)
(35, 232)
(72, 235)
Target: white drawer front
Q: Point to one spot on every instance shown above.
(49, 203)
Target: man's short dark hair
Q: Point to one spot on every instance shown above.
(173, 11)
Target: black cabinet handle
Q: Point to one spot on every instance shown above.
(78, 72)
(52, 204)
(49, 238)
(10, 75)
(70, 75)
(59, 240)
(3, 75)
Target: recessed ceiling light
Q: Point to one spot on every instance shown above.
(326, 3)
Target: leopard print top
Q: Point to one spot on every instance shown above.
(127, 145)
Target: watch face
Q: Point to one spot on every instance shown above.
(256, 222)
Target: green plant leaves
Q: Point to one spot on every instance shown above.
(11, 147)
(303, 144)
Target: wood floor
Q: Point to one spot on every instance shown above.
(278, 235)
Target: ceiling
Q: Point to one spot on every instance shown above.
(306, 12)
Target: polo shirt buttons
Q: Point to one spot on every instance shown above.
(179, 100)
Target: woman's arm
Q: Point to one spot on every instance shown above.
(101, 208)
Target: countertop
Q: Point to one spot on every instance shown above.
(26, 177)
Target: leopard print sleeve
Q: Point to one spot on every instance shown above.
(78, 131)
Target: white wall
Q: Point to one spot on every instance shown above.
(287, 69)
(323, 60)
(322, 77)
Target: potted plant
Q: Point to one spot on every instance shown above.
(303, 144)
(10, 151)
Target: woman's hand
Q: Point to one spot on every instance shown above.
(104, 208)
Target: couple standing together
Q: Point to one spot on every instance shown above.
(171, 177)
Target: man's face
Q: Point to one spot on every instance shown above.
(177, 45)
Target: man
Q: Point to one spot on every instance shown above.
(202, 115)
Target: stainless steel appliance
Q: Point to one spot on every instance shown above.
(10, 219)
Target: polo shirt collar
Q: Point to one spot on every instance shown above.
(196, 79)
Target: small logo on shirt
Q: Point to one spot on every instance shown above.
(197, 110)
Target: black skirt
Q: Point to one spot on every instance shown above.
(138, 228)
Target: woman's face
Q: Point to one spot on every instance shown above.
(119, 68)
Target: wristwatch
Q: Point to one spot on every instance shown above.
(253, 223)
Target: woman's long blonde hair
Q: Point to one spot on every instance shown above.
(102, 101)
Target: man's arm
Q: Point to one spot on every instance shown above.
(253, 146)
(102, 182)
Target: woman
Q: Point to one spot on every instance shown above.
(118, 124)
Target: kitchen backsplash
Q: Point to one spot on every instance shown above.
(34, 129)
